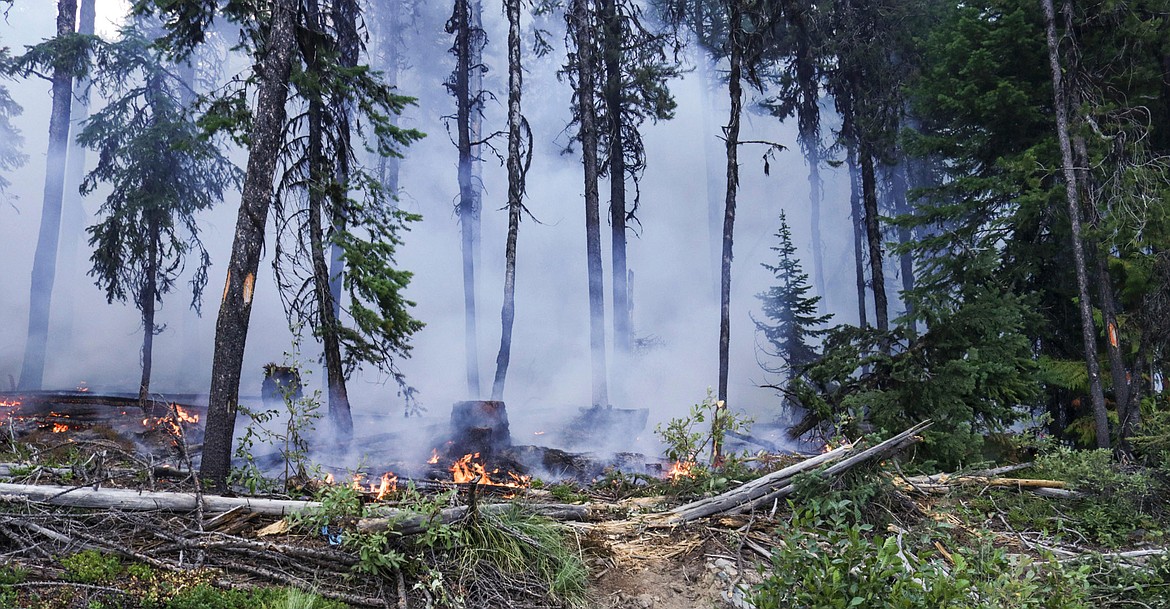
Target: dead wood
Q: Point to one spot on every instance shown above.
(132, 500)
(779, 484)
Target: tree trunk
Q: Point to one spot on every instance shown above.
(1104, 285)
(731, 133)
(873, 236)
(319, 183)
(808, 119)
(73, 216)
(45, 258)
(231, 328)
(468, 213)
(1088, 330)
(899, 190)
(857, 213)
(515, 195)
(345, 19)
(388, 40)
(588, 135)
(612, 47)
(146, 300)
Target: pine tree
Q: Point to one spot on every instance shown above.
(11, 141)
(790, 314)
(162, 172)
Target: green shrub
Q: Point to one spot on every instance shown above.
(92, 567)
(204, 596)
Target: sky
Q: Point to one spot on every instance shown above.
(674, 289)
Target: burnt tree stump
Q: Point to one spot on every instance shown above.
(479, 426)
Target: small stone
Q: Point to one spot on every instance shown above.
(677, 587)
(645, 601)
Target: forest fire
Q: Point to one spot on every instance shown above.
(59, 428)
(467, 470)
(681, 469)
(172, 419)
(434, 457)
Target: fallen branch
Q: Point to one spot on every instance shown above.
(779, 484)
(408, 523)
(132, 500)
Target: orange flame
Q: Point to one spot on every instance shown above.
(9, 403)
(434, 456)
(185, 416)
(389, 484)
(60, 427)
(467, 470)
(681, 469)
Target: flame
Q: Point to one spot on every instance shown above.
(82, 387)
(467, 470)
(389, 484)
(185, 416)
(9, 403)
(681, 469)
(60, 427)
(434, 456)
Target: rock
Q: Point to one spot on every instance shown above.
(644, 601)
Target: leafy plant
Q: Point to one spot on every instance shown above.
(92, 567)
(687, 441)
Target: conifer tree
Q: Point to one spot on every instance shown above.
(11, 141)
(162, 172)
(790, 314)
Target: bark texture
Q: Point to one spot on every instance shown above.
(1088, 330)
(515, 198)
(231, 328)
(731, 133)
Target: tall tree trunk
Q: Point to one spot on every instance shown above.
(1104, 285)
(612, 48)
(515, 195)
(73, 216)
(388, 41)
(45, 258)
(731, 132)
(468, 214)
(231, 328)
(320, 184)
(587, 133)
(345, 20)
(899, 193)
(146, 300)
(873, 236)
(1088, 330)
(808, 119)
(857, 213)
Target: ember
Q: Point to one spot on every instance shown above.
(59, 427)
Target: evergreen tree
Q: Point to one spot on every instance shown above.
(790, 314)
(11, 142)
(162, 172)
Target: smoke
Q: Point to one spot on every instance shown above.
(675, 302)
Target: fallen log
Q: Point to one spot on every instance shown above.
(779, 484)
(132, 500)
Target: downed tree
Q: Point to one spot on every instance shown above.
(133, 500)
(779, 484)
(943, 483)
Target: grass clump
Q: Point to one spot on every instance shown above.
(205, 596)
(92, 567)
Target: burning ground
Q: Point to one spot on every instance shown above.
(98, 509)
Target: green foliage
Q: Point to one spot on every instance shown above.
(92, 567)
(162, 171)
(687, 440)
(827, 559)
(791, 314)
(519, 544)
(969, 373)
(12, 574)
(11, 141)
(204, 596)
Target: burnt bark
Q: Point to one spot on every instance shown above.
(731, 134)
(45, 257)
(587, 134)
(515, 198)
(899, 193)
(857, 216)
(873, 237)
(460, 25)
(345, 20)
(231, 328)
(1088, 330)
